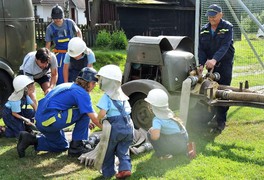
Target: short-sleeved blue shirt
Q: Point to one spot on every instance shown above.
(106, 104)
(15, 106)
(166, 126)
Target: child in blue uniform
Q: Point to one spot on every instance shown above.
(167, 135)
(77, 57)
(52, 116)
(115, 106)
(16, 107)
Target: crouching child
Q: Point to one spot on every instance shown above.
(16, 114)
(167, 135)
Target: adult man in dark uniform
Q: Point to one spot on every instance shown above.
(216, 53)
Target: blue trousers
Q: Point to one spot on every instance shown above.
(60, 59)
(14, 125)
(225, 71)
(121, 138)
(53, 138)
(173, 144)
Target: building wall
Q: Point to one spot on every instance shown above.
(80, 16)
(44, 12)
(154, 22)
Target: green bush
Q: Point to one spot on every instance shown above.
(119, 40)
(103, 39)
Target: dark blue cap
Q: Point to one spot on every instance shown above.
(213, 10)
(88, 74)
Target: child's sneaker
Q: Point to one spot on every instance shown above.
(191, 150)
(123, 174)
(167, 156)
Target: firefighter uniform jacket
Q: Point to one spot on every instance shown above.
(218, 45)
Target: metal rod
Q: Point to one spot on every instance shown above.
(240, 86)
(211, 93)
(250, 14)
(197, 30)
(246, 84)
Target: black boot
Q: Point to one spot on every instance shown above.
(25, 139)
(77, 148)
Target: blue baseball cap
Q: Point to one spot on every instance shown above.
(213, 10)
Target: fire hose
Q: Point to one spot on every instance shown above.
(28, 122)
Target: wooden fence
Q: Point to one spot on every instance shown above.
(89, 35)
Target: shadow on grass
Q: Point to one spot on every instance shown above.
(232, 152)
(35, 165)
(209, 146)
(147, 166)
(252, 122)
(231, 114)
(153, 167)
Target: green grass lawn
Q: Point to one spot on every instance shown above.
(237, 153)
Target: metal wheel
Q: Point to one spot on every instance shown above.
(141, 114)
(6, 88)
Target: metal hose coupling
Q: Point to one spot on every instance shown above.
(213, 76)
(148, 146)
(223, 94)
(194, 80)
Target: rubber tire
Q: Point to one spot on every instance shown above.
(6, 89)
(141, 114)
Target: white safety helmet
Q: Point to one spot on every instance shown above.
(157, 97)
(21, 81)
(76, 47)
(111, 72)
